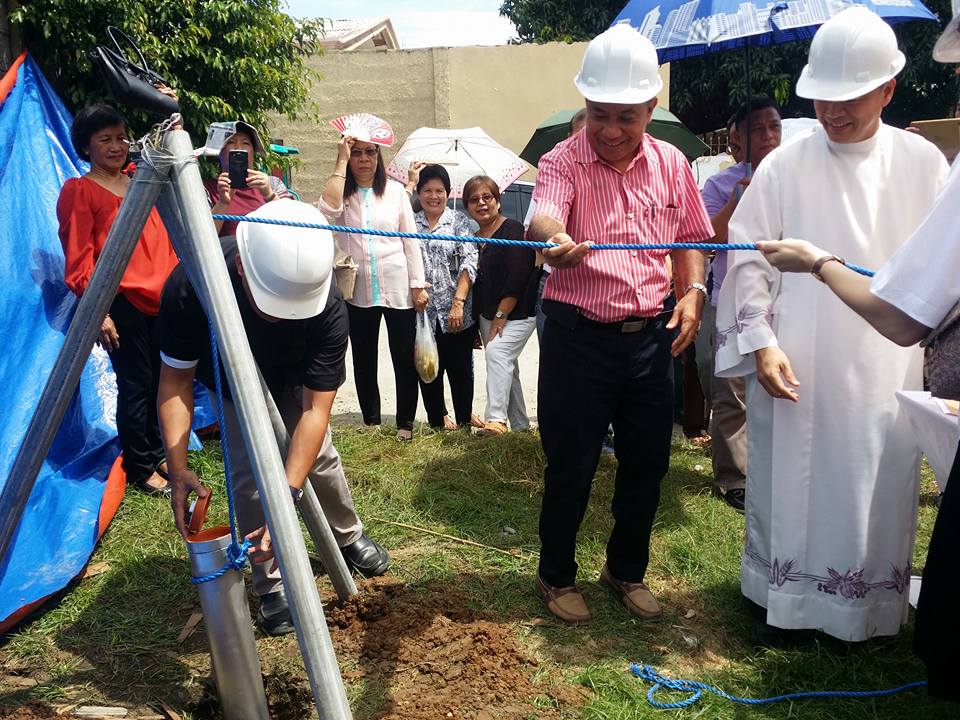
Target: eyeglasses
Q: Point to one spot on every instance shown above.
(476, 199)
(369, 152)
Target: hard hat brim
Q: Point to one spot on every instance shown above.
(267, 301)
(813, 89)
(631, 96)
(947, 49)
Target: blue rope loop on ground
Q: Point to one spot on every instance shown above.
(236, 551)
(713, 247)
(696, 690)
(236, 560)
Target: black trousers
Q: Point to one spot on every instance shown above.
(936, 635)
(137, 366)
(589, 378)
(364, 339)
(456, 360)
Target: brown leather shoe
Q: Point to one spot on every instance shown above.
(635, 596)
(494, 427)
(566, 602)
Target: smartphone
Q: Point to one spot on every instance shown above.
(238, 169)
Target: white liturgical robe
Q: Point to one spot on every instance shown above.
(832, 480)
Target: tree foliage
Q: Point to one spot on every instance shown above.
(705, 90)
(227, 59)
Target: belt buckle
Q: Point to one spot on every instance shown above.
(634, 325)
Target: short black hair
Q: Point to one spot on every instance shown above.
(434, 172)
(579, 116)
(92, 119)
(758, 102)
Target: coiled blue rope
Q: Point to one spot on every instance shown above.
(237, 551)
(696, 690)
(718, 247)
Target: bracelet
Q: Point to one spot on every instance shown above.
(339, 175)
(461, 299)
(818, 265)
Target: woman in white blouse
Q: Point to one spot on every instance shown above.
(390, 279)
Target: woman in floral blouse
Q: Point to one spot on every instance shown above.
(450, 268)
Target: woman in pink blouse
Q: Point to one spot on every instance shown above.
(390, 279)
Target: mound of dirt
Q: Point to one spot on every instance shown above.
(28, 711)
(431, 656)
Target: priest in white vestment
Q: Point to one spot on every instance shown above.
(833, 472)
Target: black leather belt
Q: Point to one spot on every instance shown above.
(630, 325)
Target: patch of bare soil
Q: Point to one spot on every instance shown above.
(27, 711)
(431, 656)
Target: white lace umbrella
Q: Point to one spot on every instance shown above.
(464, 153)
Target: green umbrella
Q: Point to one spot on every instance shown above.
(664, 126)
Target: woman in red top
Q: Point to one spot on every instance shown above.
(86, 210)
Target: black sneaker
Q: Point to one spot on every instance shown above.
(366, 557)
(273, 618)
(736, 498)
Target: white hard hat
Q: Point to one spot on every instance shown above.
(288, 269)
(947, 49)
(219, 132)
(619, 66)
(852, 53)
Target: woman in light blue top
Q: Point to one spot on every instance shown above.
(450, 268)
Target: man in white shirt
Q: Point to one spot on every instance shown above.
(832, 508)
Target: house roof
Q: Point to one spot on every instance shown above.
(360, 34)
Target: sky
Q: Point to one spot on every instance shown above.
(467, 22)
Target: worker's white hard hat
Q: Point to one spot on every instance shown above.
(619, 66)
(288, 269)
(947, 49)
(852, 53)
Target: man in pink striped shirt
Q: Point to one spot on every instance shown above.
(607, 344)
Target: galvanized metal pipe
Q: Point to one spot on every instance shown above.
(291, 552)
(312, 513)
(93, 306)
(233, 649)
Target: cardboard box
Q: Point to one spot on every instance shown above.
(945, 134)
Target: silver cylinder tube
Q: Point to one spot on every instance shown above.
(226, 614)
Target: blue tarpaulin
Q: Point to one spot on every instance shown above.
(60, 524)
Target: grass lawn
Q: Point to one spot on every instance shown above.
(113, 637)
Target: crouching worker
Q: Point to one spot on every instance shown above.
(296, 323)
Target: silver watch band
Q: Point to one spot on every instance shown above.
(699, 286)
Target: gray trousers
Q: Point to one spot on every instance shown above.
(504, 391)
(327, 479)
(728, 422)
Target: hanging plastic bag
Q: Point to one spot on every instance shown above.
(425, 355)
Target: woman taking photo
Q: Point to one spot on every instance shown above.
(86, 209)
(504, 297)
(389, 283)
(260, 187)
(451, 268)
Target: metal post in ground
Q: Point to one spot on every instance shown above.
(91, 309)
(233, 649)
(291, 552)
(312, 513)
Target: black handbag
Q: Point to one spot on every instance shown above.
(128, 82)
(943, 357)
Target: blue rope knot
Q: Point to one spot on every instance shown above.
(236, 560)
(650, 674)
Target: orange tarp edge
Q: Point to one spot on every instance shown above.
(10, 78)
(112, 495)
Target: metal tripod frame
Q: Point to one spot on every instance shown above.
(167, 176)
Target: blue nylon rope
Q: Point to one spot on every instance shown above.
(236, 552)
(696, 690)
(718, 247)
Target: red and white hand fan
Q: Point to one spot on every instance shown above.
(365, 127)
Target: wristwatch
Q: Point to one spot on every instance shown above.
(818, 265)
(500, 314)
(295, 493)
(698, 286)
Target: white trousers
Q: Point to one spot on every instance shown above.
(504, 391)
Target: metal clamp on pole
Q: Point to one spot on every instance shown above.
(215, 290)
